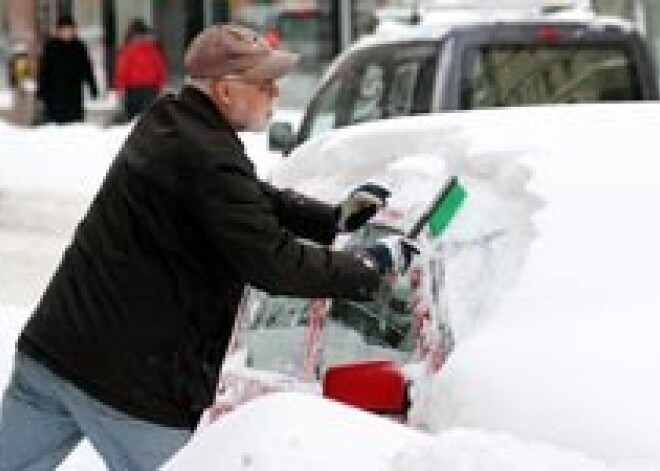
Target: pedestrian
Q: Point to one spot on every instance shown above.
(140, 69)
(64, 67)
(126, 343)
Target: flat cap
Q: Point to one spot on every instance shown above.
(233, 50)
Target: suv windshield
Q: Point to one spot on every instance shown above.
(378, 83)
(511, 75)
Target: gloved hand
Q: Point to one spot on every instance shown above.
(360, 205)
(392, 254)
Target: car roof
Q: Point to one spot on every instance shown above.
(438, 24)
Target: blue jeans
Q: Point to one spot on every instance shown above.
(43, 417)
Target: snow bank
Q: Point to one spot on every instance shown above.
(74, 158)
(52, 158)
(584, 382)
(295, 431)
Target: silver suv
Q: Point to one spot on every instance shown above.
(478, 62)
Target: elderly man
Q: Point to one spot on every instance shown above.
(126, 343)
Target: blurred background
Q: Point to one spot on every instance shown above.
(317, 29)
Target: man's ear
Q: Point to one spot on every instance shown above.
(221, 93)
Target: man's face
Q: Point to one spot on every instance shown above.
(66, 33)
(248, 103)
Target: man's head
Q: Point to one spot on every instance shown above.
(240, 71)
(66, 28)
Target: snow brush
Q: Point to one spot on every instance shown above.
(437, 216)
(441, 211)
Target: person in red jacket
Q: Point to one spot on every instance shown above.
(140, 69)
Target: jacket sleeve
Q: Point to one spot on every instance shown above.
(243, 222)
(305, 217)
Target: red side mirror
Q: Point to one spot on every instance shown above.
(374, 385)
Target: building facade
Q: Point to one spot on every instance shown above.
(102, 23)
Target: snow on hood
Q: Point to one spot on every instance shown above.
(485, 245)
(569, 355)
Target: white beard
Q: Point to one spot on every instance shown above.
(248, 120)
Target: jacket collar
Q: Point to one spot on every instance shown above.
(210, 112)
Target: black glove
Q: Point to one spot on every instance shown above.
(391, 254)
(360, 205)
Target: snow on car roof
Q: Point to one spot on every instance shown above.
(437, 24)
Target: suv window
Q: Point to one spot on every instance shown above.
(511, 75)
(379, 83)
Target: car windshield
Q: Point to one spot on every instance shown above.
(276, 333)
(513, 75)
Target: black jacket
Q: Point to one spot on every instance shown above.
(140, 311)
(64, 68)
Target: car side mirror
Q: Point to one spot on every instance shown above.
(281, 136)
(373, 385)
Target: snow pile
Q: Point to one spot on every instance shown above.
(75, 157)
(587, 382)
(567, 356)
(486, 244)
(295, 431)
(576, 338)
(72, 158)
(475, 450)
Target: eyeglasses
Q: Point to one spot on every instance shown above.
(264, 85)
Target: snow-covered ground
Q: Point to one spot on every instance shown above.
(564, 376)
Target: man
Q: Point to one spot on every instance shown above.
(126, 343)
(64, 68)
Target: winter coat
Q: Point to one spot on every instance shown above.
(140, 72)
(63, 69)
(140, 64)
(140, 311)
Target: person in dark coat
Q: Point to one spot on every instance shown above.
(64, 68)
(126, 343)
(140, 69)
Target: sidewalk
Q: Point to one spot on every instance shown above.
(19, 112)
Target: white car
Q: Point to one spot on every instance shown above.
(549, 274)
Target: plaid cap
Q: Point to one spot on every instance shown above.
(222, 50)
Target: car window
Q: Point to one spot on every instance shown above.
(278, 328)
(381, 82)
(511, 75)
(404, 78)
(369, 95)
(325, 110)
